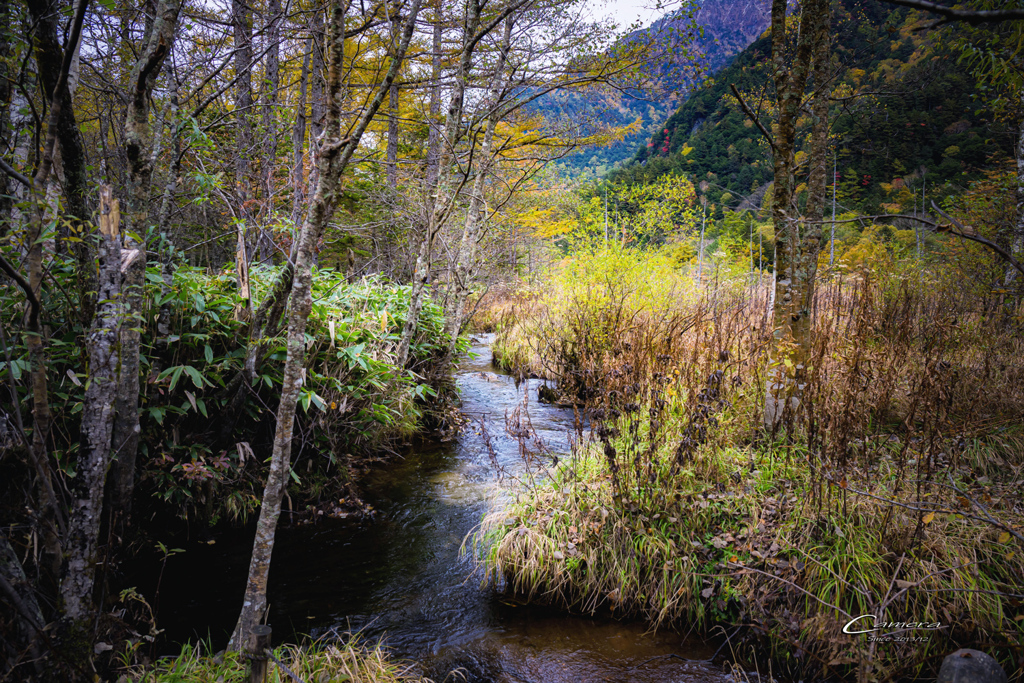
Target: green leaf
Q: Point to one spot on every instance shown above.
(197, 378)
(175, 375)
(208, 353)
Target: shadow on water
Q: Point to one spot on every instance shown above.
(400, 576)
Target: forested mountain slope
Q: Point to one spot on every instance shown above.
(728, 26)
(904, 114)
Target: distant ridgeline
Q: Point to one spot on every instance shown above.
(919, 119)
(729, 26)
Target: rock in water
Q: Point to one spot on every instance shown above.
(970, 666)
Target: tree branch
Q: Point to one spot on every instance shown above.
(9, 170)
(753, 117)
(1006, 256)
(13, 273)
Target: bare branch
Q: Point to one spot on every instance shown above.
(753, 117)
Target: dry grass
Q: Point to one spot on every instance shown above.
(894, 489)
(319, 662)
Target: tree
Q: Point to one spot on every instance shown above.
(796, 241)
(333, 157)
(992, 51)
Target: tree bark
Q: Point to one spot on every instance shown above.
(27, 615)
(241, 22)
(434, 133)
(392, 144)
(271, 86)
(1017, 238)
(316, 96)
(299, 140)
(794, 270)
(50, 516)
(69, 145)
(333, 158)
(97, 424)
(139, 150)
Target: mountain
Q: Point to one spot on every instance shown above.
(908, 115)
(725, 28)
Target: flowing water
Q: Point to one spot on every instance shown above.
(400, 576)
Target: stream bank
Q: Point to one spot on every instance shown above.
(399, 575)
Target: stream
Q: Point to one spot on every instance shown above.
(400, 575)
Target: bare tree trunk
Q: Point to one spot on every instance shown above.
(334, 156)
(241, 22)
(793, 273)
(69, 144)
(392, 144)
(27, 616)
(465, 262)
(299, 140)
(271, 86)
(139, 149)
(392, 148)
(97, 424)
(47, 49)
(1017, 239)
(316, 105)
(7, 23)
(434, 133)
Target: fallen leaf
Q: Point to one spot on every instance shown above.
(558, 555)
(707, 592)
(928, 518)
(1004, 537)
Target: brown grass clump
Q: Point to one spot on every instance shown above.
(893, 490)
(319, 662)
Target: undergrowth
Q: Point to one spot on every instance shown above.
(893, 490)
(317, 662)
(201, 451)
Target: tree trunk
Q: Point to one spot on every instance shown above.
(316, 105)
(27, 616)
(434, 133)
(392, 148)
(299, 140)
(139, 150)
(1017, 239)
(70, 146)
(241, 22)
(794, 272)
(271, 86)
(392, 144)
(97, 425)
(334, 156)
(60, 101)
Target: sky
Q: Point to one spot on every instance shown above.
(625, 12)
